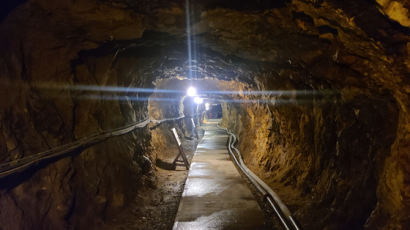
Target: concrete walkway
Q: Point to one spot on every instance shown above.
(215, 195)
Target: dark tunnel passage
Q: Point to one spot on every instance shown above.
(313, 94)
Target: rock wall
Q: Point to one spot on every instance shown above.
(48, 50)
(90, 186)
(325, 156)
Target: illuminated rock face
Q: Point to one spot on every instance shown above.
(396, 10)
(340, 160)
(322, 157)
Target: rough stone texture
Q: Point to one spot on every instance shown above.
(396, 10)
(343, 157)
(90, 186)
(323, 158)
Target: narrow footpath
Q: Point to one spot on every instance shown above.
(215, 195)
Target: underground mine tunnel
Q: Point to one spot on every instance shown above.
(290, 113)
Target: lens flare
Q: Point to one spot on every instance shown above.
(191, 92)
(198, 100)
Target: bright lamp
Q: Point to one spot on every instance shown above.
(191, 91)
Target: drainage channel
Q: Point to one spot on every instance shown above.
(280, 209)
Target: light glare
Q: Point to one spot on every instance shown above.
(191, 91)
(198, 100)
(207, 106)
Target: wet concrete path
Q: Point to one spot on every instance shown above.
(215, 195)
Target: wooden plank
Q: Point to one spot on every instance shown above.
(181, 151)
(174, 131)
